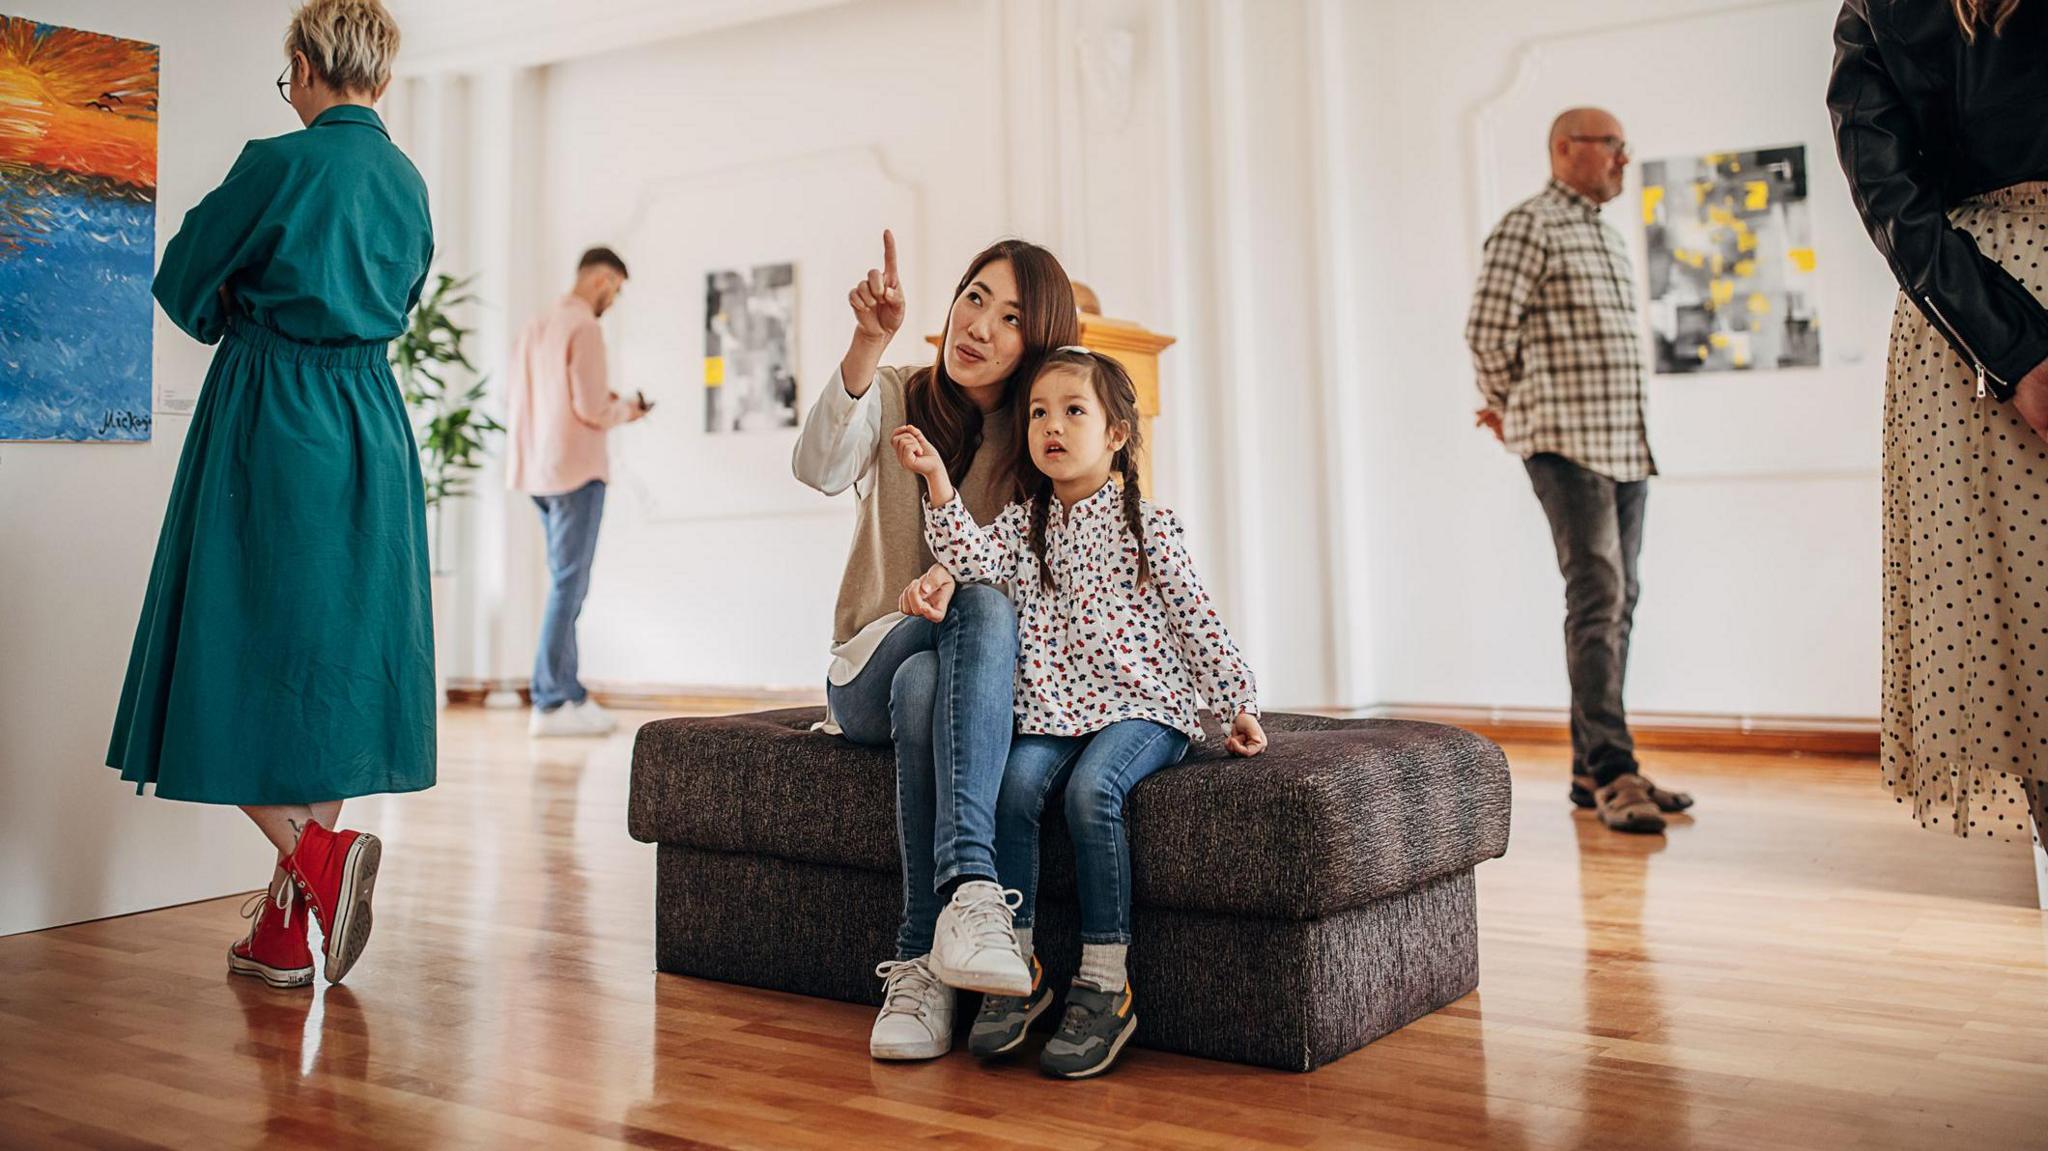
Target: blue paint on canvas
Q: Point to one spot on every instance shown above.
(75, 342)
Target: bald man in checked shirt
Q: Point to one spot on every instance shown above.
(1557, 351)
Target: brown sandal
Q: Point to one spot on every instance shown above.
(1625, 805)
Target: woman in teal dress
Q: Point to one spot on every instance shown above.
(284, 660)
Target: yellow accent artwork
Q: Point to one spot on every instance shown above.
(1732, 269)
(714, 371)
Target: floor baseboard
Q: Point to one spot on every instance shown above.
(1660, 731)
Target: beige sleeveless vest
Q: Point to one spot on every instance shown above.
(888, 538)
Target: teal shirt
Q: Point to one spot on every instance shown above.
(321, 235)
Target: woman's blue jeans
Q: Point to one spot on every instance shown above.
(942, 693)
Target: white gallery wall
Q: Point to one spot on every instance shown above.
(80, 523)
(1297, 190)
(1760, 566)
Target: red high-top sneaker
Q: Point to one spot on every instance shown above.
(337, 871)
(275, 950)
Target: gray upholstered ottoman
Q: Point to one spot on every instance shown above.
(1287, 909)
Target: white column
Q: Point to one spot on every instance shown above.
(489, 207)
(1234, 439)
(1340, 314)
(500, 587)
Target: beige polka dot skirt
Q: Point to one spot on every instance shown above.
(1966, 563)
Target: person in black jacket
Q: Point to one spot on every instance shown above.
(1940, 110)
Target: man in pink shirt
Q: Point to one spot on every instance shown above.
(561, 410)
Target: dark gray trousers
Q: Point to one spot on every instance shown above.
(1597, 526)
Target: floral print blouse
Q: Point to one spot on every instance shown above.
(1097, 649)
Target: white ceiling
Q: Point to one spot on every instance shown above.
(473, 35)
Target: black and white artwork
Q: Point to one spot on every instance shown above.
(750, 349)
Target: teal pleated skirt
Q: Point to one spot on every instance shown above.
(285, 652)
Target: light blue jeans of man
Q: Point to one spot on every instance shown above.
(942, 694)
(1098, 772)
(569, 522)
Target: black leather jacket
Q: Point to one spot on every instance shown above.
(1923, 120)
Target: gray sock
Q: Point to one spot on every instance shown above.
(1102, 965)
(1024, 943)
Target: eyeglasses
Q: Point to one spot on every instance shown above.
(1615, 144)
(284, 84)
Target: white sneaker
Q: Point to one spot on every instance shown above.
(596, 720)
(570, 719)
(974, 947)
(916, 1021)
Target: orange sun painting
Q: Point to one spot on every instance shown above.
(77, 233)
(77, 102)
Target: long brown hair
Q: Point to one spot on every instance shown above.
(1045, 298)
(1991, 13)
(1119, 399)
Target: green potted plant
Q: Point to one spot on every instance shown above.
(451, 429)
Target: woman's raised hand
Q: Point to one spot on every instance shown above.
(928, 595)
(878, 300)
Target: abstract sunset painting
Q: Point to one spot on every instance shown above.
(77, 232)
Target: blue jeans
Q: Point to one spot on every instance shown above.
(570, 522)
(942, 693)
(1098, 771)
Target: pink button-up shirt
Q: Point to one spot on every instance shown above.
(559, 404)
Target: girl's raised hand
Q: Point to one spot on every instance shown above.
(878, 300)
(1247, 738)
(916, 453)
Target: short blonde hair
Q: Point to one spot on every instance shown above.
(349, 43)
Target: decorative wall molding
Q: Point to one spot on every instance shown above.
(1485, 197)
(1108, 59)
(689, 477)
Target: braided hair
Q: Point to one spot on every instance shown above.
(1119, 397)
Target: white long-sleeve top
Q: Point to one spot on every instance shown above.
(837, 447)
(1096, 648)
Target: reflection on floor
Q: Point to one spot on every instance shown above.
(1797, 965)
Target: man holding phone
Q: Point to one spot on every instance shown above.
(561, 409)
